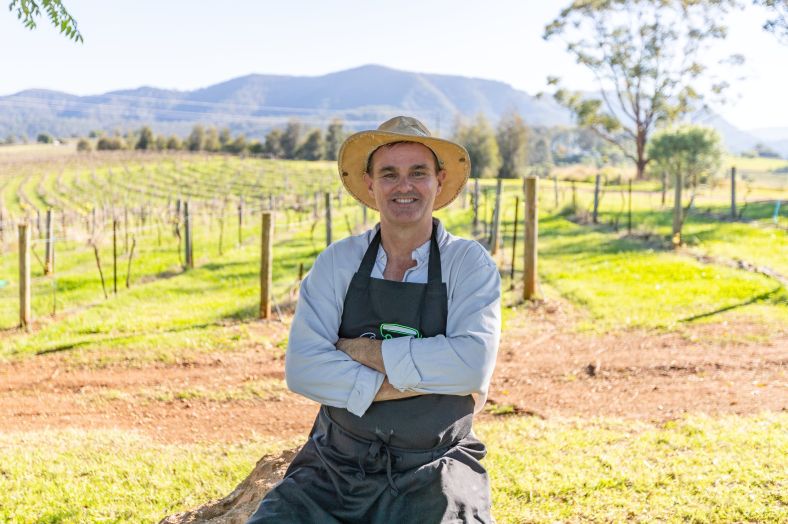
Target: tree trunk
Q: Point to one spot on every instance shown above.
(640, 145)
(677, 212)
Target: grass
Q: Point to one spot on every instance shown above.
(698, 469)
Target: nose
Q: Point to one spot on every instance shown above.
(404, 184)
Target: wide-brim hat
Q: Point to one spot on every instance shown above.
(355, 152)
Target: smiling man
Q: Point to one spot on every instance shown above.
(395, 335)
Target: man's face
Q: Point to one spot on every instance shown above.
(404, 183)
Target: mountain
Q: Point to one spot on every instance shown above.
(362, 97)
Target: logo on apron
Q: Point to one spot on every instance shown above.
(398, 330)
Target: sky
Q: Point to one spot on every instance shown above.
(182, 44)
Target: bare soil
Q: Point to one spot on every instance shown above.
(544, 369)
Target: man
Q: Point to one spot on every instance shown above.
(395, 334)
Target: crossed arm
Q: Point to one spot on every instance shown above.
(353, 373)
(370, 353)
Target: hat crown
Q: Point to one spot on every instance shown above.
(404, 125)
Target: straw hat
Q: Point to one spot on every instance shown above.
(356, 150)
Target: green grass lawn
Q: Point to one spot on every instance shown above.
(732, 469)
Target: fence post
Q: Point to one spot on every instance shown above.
(514, 239)
(574, 196)
(596, 199)
(733, 192)
(49, 257)
(629, 215)
(328, 219)
(24, 276)
(475, 206)
(496, 219)
(187, 225)
(677, 213)
(531, 235)
(555, 190)
(266, 265)
(115, 256)
(240, 220)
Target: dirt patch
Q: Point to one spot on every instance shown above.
(543, 369)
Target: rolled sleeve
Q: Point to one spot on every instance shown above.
(367, 384)
(314, 367)
(398, 361)
(462, 361)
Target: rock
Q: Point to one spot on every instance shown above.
(238, 506)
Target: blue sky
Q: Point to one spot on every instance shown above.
(179, 44)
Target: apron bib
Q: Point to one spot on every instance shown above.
(408, 460)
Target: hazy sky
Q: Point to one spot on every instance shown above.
(181, 44)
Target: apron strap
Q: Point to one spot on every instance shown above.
(434, 275)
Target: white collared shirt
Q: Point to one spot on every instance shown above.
(459, 363)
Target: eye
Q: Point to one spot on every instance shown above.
(419, 174)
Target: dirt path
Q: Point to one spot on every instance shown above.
(542, 369)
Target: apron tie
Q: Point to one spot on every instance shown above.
(374, 452)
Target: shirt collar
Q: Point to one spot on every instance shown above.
(420, 254)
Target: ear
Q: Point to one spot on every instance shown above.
(368, 182)
(441, 176)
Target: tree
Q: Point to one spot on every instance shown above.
(645, 57)
(225, 137)
(312, 148)
(196, 140)
(174, 143)
(685, 153)
(479, 139)
(146, 139)
(291, 139)
(512, 138)
(84, 146)
(237, 146)
(335, 135)
(273, 144)
(29, 10)
(779, 24)
(211, 140)
(44, 138)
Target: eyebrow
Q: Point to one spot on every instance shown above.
(394, 169)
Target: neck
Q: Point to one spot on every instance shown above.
(399, 243)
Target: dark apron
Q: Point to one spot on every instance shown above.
(407, 460)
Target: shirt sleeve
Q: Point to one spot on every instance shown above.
(314, 367)
(462, 361)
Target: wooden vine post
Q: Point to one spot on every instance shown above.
(266, 265)
(733, 192)
(531, 235)
(24, 276)
(328, 219)
(49, 258)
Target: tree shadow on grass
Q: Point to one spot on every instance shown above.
(759, 298)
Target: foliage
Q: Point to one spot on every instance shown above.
(114, 143)
(312, 148)
(196, 140)
(688, 150)
(335, 135)
(646, 57)
(478, 138)
(29, 10)
(512, 138)
(779, 24)
(84, 145)
(146, 140)
(291, 139)
(211, 143)
(273, 144)
(44, 138)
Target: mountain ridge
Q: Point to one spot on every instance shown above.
(362, 97)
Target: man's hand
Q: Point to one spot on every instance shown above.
(364, 351)
(370, 353)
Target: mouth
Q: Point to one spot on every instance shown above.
(404, 200)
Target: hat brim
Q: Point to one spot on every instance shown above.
(355, 151)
